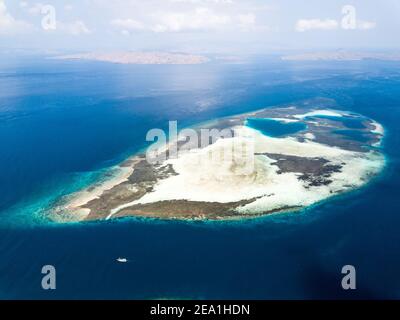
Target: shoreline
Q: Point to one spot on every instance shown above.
(96, 200)
(254, 217)
(242, 218)
(238, 221)
(77, 200)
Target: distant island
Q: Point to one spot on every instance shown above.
(301, 154)
(342, 56)
(138, 57)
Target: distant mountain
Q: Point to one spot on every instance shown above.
(342, 56)
(139, 57)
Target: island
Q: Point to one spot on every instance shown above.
(130, 57)
(341, 55)
(273, 160)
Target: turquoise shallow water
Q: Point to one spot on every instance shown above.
(63, 124)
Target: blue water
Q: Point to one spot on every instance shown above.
(62, 124)
(274, 128)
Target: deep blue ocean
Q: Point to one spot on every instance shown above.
(64, 123)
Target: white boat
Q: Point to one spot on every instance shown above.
(122, 260)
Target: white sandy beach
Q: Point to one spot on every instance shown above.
(79, 199)
(200, 178)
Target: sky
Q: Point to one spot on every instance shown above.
(199, 26)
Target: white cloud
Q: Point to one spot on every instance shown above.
(247, 21)
(303, 25)
(23, 4)
(316, 24)
(128, 24)
(36, 9)
(74, 28)
(77, 27)
(10, 25)
(125, 32)
(204, 1)
(199, 19)
(365, 25)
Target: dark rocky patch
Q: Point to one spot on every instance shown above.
(315, 171)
